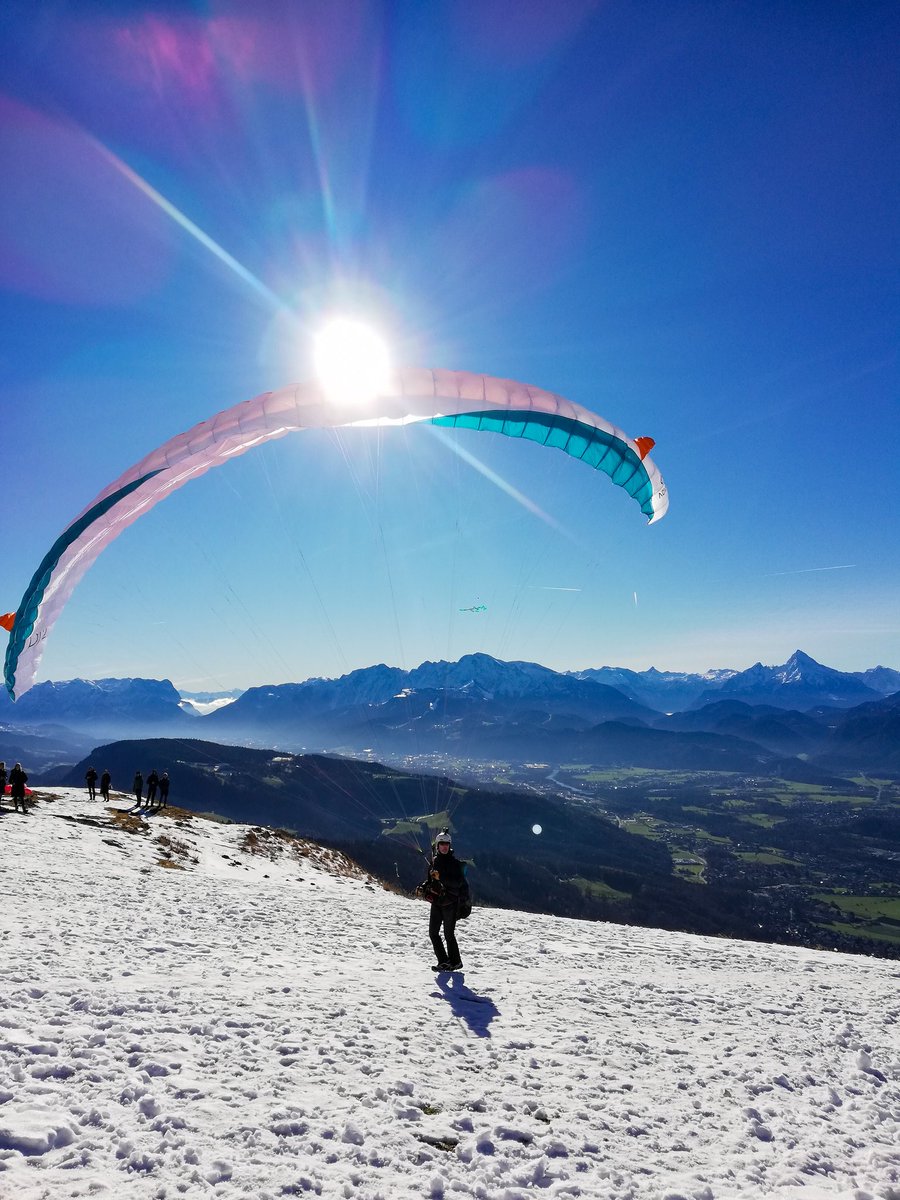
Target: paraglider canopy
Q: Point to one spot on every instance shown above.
(408, 395)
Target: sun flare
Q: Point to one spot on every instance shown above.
(352, 361)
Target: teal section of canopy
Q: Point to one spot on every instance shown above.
(27, 612)
(598, 449)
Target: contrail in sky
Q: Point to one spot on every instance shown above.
(545, 587)
(810, 570)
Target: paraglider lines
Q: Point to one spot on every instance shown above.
(496, 480)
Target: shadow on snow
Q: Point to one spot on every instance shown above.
(477, 1011)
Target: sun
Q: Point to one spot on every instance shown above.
(352, 361)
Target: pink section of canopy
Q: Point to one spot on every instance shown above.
(418, 395)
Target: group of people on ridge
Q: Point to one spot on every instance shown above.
(90, 778)
(447, 890)
(16, 779)
(157, 789)
(157, 786)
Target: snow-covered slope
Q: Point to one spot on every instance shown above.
(253, 1021)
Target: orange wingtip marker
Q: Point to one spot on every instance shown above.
(644, 445)
(7, 621)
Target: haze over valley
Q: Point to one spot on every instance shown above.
(764, 804)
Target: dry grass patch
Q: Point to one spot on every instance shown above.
(128, 822)
(275, 844)
(174, 853)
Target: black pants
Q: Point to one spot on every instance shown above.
(444, 914)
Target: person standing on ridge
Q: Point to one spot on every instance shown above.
(3, 778)
(164, 790)
(105, 781)
(448, 892)
(17, 781)
(138, 788)
(90, 778)
(152, 785)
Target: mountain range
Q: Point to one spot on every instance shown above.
(481, 707)
(800, 683)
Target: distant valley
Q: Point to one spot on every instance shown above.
(757, 857)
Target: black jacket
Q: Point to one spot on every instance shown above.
(445, 883)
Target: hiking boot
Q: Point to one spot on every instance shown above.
(442, 966)
(456, 966)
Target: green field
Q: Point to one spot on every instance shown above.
(629, 776)
(876, 917)
(691, 871)
(430, 823)
(767, 858)
(600, 891)
(641, 829)
(765, 820)
(867, 908)
(789, 793)
(880, 933)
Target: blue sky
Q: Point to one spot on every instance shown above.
(680, 216)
